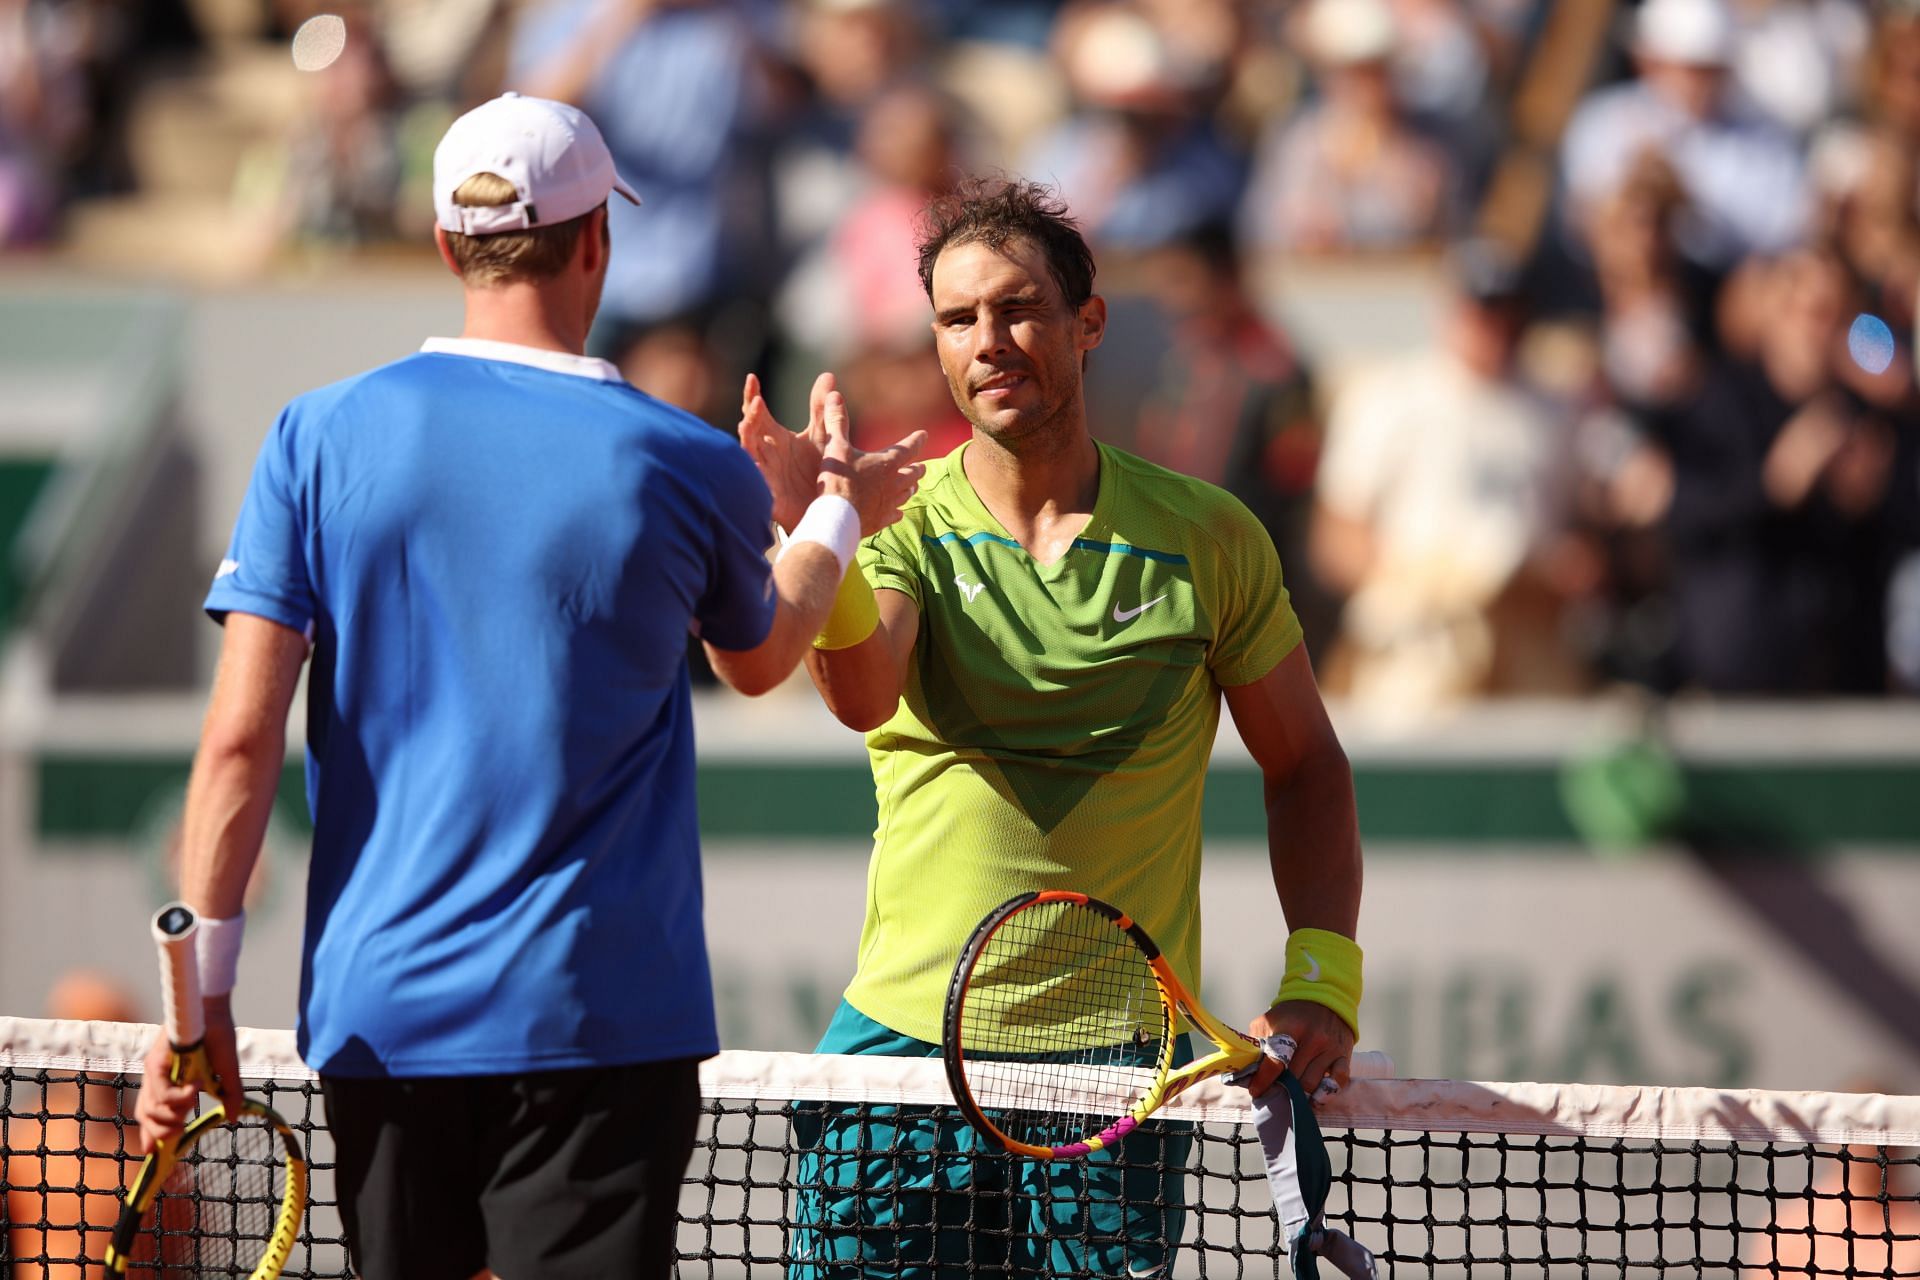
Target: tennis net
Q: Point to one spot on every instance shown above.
(804, 1161)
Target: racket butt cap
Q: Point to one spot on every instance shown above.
(174, 927)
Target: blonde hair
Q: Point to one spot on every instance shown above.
(505, 257)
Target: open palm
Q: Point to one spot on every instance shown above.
(788, 460)
(794, 463)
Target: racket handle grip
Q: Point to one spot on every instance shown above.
(174, 926)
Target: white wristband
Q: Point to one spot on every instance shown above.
(831, 521)
(216, 946)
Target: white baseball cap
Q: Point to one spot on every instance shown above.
(1348, 32)
(552, 154)
(1692, 32)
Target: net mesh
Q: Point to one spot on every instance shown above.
(217, 1209)
(821, 1166)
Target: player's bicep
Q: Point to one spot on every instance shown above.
(254, 683)
(900, 629)
(1281, 717)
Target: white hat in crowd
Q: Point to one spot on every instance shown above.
(1693, 32)
(552, 154)
(1344, 32)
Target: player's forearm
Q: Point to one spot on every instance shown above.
(1314, 842)
(860, 685)
(236, 771)
(229, 802)
(804, 582)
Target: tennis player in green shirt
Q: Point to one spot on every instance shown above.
(1037, 652)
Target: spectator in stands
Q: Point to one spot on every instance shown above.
(1440, 502)
(1798, 61)
(1349, 173)
(1867, 181)
(1140, 161)
(844, 56)
(1653, 306)
(1742, 172)
(344, 165)
(1018, 22)
(1234, 403)
(1781, 467)
(1653, 332)
(1903, 578)
(1866, 175)
(673, 85)
(859, 288)
(1893, 71)
(855, 303)
(1444, 70)
(43, 112)
(442, 52)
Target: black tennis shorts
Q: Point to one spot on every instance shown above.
(553, 1174)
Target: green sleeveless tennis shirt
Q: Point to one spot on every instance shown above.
(1057, 719)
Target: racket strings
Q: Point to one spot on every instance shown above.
(220, 1206)
(1062, 1024)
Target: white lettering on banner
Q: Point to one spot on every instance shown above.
(1530, 966)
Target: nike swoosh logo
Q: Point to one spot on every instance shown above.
(1128, 615)
(1313, 967)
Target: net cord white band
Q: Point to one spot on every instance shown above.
(1437, 1106)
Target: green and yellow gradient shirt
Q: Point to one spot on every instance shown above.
(1057, 719)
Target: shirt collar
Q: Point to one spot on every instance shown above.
(514, 353)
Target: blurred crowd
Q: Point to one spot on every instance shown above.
(1665, 431)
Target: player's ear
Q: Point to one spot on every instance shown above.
(446, 250)
(596, 240)
(1093, 322)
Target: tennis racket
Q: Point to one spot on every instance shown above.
(1061, 1024)
(244, 1173)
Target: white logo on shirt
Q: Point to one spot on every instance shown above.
(969, 589)
(1128, 615)
(226, 570)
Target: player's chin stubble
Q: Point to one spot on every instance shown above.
(1041, 432)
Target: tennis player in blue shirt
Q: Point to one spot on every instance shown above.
(492, 552)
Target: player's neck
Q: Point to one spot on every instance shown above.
(543, 317)
(1043, 496)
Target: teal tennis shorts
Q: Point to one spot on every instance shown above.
(913, 1193)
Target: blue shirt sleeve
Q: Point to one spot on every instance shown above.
(265, 570)
(736, 610)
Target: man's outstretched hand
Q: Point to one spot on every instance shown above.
(799, 466)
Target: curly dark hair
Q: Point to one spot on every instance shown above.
(996, 212)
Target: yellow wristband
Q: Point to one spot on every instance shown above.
(854, 614)
(1324, 967)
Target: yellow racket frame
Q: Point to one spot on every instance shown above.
(1233, 1051)
(167, 1154)
(173, 931)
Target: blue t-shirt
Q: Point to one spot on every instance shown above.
(499, 555)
